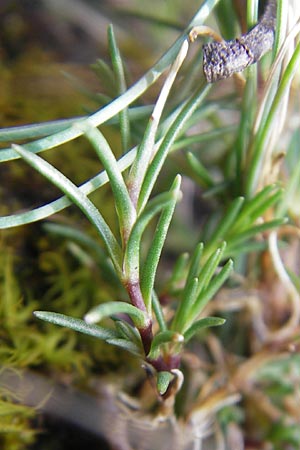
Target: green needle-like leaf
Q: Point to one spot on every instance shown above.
(209, 268)
(211, 290)
(74, 193)
(198, 280)
(35, 130)
(58, 205)
(269, 202)
(194, 268)
(152, 259)
(200, 171)
(130, 346)
(132, 252)
(158, 312)
(162, 338)
(225, 224)
(108, 309)
(255, 231)
(105, 73)
(119, 73)
(126, 211)
(257, 206)
(127, 331)
(163, 381)
(147, 148)
(202, 323)
(188, 299)
(76, 324)
(172, 134)
(243, 248)
(203, 137)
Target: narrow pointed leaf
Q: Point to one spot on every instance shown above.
(35, 130)
(130, 346)
(74, 193)
(200, 171)
(127, 331)
(268, 203)
(203, 137)
(132, 252)
(188, 299)
(211, 290)
(226, 223)
(124, 206)
(76, 324)
(164, 337)
(112, 308)
(257, 206)
(119, 73)
(164, 379)
(256, 230)
(63, 202)
(244, 247)
(172, 134)
(156, 306)
(194, 268)
(106, 75)
(152, 259)
(147, 149)
(209, 268)
(202, 323)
